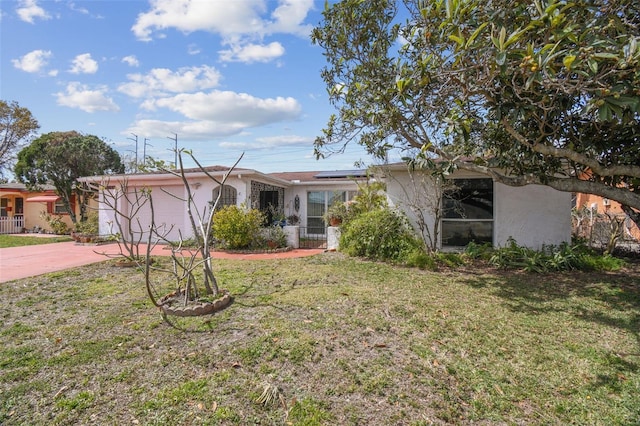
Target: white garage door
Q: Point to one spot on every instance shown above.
(169, 212)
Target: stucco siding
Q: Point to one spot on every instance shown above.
(533, 215)
(404, 192)
(171, 214)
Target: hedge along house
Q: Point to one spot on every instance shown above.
(306, 195)
(476, 208)
(23, 210)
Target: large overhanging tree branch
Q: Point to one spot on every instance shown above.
(590, 163)
(535, 92)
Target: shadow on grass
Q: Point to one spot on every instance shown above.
(610, 299)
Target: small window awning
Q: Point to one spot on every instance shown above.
(43, 199)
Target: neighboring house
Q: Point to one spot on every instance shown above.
(305, 194)
(481, 210)
(22, 210)
(596, 205)
(485, 211)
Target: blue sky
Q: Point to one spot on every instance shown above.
(226, 76)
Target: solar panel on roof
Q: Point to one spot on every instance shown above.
(340, 174)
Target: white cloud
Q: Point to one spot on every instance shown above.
(235, 17)
(215, 114)
(131, 60)
(80, 96)
(33, 61)
(288, 17)
(232, 107)
(73, 6)
(285, 140)
(238, 22)
(252, 53)
(162, 81)
(83, 64)
(191, 130)
(29, 9)
(271, 142)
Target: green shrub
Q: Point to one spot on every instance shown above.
(58, 226)
(371, 196)
(90, 226)
(478, 251)
(418, 258)
(564, 257)
(596, 262)
(380, 235)
(272, 237)
(237, 228)
(451, 260)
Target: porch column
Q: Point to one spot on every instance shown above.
(333, 238)
(293, 236)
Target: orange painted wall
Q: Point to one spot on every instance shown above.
(605, 206)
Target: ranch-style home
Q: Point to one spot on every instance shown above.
(482, 210)
(304, 195)
(22, 210)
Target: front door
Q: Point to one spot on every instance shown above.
(269, 204)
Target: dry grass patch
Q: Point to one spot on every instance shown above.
(325, 340)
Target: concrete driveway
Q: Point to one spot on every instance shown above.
(29, 261)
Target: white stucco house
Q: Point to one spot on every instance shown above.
(476, 208)
(479, 210)
(306, 195)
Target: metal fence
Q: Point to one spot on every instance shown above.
(11, 225)
(313, 237)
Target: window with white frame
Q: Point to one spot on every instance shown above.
(317, 204)
(467, 213)
(59, 207)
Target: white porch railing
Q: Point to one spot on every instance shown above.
(11, 225)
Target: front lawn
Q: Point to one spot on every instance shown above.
(325, 340)
(19, 240)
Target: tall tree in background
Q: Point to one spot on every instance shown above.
(17, 125)
(528, 92)
(60, 158)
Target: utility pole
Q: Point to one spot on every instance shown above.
(175, 139)
(144, 150)
(136, 141)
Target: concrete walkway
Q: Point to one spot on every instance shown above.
(29, 261)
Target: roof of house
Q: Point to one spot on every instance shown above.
(209, 169)
(16, 186)
(315, 176)
(281, 177)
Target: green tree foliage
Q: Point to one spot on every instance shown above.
(60, 158)
(151, 165)
(17, 125)
(529, 92)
